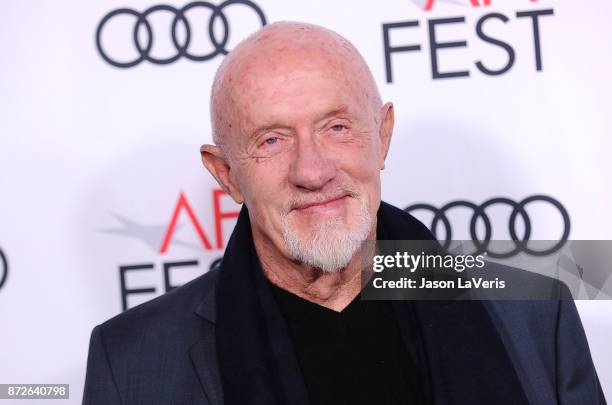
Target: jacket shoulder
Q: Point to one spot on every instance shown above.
(169, 316)
(144, 354)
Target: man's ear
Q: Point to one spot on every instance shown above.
(215, 161)
(387, 119)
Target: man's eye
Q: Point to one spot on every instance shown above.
(271, 140)
(338, 128)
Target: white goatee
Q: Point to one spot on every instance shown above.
(331, 244)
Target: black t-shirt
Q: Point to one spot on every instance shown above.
(356, 356)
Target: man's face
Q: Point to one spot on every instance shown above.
(306, 157)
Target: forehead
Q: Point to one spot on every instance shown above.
(291, 89)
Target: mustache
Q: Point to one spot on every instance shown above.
(318, 197)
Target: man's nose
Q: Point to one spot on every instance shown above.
(312, 168)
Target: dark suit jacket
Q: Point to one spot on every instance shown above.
(165, 352)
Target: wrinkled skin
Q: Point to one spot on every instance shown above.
(300, 134)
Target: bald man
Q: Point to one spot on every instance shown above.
(300, 137)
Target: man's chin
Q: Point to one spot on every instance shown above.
(328, 247)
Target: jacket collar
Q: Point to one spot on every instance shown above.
(206, 309)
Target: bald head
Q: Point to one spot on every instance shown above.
(301, 136)
(273, 54)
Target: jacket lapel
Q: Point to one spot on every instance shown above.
(204, 359)
(516, 334)
(203, 353)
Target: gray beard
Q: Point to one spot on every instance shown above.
(332, 244)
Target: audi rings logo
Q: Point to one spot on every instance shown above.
(479, 211)
(143, 27)
(3, 268)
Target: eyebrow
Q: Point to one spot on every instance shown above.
(324, 116)
(338, 111)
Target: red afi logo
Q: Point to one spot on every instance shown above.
(219, 216)
(475, 3)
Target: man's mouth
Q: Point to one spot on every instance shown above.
(330, 204)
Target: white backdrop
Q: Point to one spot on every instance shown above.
(94, 158)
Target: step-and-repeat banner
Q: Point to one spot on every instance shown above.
(104, 104)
